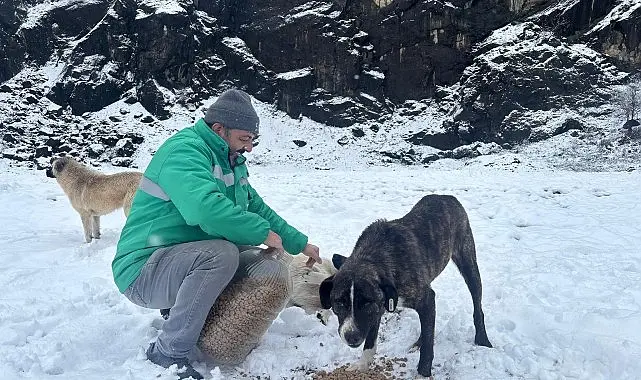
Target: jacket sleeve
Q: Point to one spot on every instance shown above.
(186, 177)
(294, 241)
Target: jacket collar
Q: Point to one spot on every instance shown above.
(215, 142)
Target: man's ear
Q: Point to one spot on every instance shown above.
(338, 260)
(324, 290)
(218, 128)
(391, 297)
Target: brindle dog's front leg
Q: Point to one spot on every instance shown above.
(369, 349)
(426, 310)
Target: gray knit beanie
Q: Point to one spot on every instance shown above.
(233, 109)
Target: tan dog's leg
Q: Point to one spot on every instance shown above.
(95, 228)
(86, 226)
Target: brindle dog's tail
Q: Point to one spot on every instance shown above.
(465, 260)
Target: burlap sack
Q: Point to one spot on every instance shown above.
(244, 311)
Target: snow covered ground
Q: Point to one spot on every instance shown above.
(559, 251)
(559, 254)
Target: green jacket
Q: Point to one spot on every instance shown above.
(188, 193)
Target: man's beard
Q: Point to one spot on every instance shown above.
(234, 155)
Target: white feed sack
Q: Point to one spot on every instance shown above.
(247, 307)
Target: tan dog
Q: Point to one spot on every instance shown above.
(305, 285)
(92, 193)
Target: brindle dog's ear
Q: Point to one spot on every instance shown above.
(391, 297)
(338, 260)
(324, 291)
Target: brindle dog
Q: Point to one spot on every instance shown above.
(393, 264)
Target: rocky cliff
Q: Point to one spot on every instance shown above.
(492, 64)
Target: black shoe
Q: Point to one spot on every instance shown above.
(164, 313)
(185, 370)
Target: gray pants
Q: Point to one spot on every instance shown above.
(187, 278)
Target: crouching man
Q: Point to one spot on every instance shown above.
(179, 247)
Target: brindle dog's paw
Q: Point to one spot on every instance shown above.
(425, 373)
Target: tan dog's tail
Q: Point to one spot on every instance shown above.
(129, 195)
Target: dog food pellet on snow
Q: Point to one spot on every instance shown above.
(383, 368)
(342, 373)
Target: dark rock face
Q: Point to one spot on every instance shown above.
(338, 62)
(425, 42)
(384, 50)
(631, 123)
(44, 36)
(444, 140)
(509, 81)
(149, 50)
(32, 132)
(150, 95)
(620, 38)
(609, 26)
(130, 48)
(8, 13)
(323, 60)
(12, 52)
(568, 18)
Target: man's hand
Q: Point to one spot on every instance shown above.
(274, 241)
(314, 257)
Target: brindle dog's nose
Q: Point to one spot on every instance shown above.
(353, 339)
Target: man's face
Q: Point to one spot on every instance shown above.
(238, 140)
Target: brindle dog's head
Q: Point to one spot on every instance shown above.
(358, 297)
